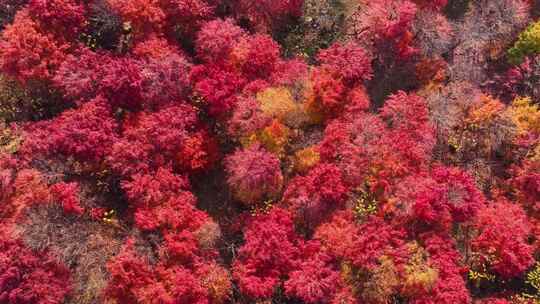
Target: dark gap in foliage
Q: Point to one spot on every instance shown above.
(456, 9)
(104, 27)
(8, 8)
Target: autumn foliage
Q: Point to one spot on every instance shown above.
(270, 151)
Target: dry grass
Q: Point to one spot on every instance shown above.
(83, 245)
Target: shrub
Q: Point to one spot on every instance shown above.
(20, 191)
(131, 277)
(67, 194)
(78, 76)
(171, 137)
(135, 279)
(528, 43)
(408, 115)
(88, 74)
(526, 182)
(315, 281)
(450, 287)
(30, 277)
(362, 245)
(275, 138)
(306, 159)
(255, 56)
(433, 33)
(313, 197)
(248, 117)
(165, 80)
(155, 47)
(121, 82)
(182, 286)
(278, 103)
(134, 84)
(27, 53)
(217, 280)
(217, 87)
(375, 239)
(185, 17)
(449, 196)
(216, 40)
(326, 97)
(386, 23)
(504, 19)
(86, 133)
(348, 60)
(503, 230)
(338, 235)
(352, 146)
(254, 175)
(144, 16)
(269, 253)
(66, 18)
(154, 199)
(521, 80)
(419, 277)
(525, 115)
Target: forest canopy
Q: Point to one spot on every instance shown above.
(270, 151)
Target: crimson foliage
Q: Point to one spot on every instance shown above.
(30, 277)
(400, 164)
(502, 239)
(254, 175)
(270, 252)
(29, 53)
(85, 133)
(313, 197)
(349, 61)
(170, 137)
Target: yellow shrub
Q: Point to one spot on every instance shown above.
(306, 159)
(489, 109)
(280, 104)
(218, 282)
(365, 204)
(247, 141)
(533, 278)
(11, 95)
(419, 277)
(383, 283)
(9, 140)
(528, 43)
(275, 137)
(525, 115)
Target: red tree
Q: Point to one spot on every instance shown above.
(30, 277)
(86, 133)
(349, 61)
(29, 53)
(315, 281)
(503, 232)
(254, 175)
(172, 136)
(66, 18)
(216, 40)
(270, 252)
(67, 194)
(313, 197)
